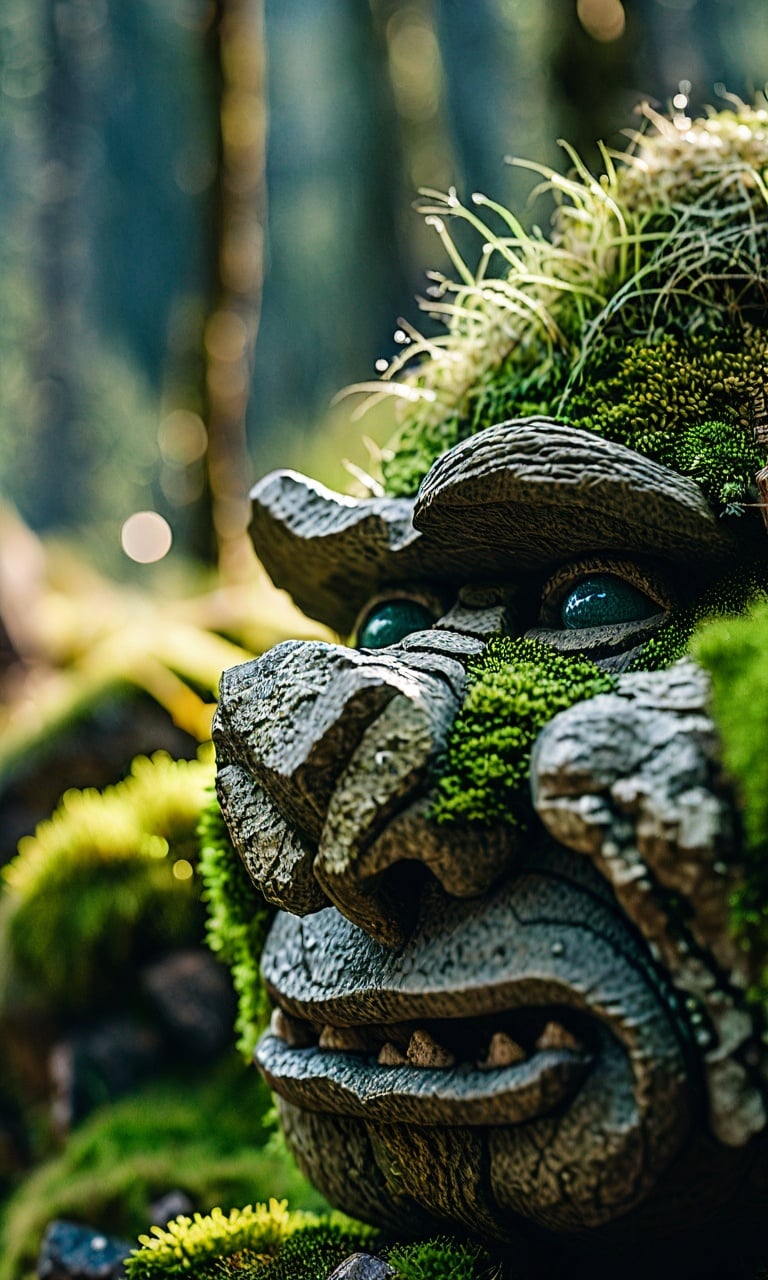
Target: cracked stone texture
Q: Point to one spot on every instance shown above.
(519, 492)
(633, 780)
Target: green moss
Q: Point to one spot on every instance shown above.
(726, 599)
(512, 691)
(441, 1258)
(502, 393)
(93, 893)
(733, 650)
(261, 1242)
(210, 1138)
(685, 402)
(671, 241)
(238, 920)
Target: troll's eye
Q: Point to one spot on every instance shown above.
(391, 621)
(603, 600)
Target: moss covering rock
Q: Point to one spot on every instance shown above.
(105, 884)
(513, 689)
(733, 650)
(210, 1138)
(238, 921)
(664, 246)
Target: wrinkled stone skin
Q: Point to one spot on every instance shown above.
(525, 1036)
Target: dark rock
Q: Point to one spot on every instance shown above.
(169, 1206)
(192, 996)
(99, 1064)
(362, 1266)
(73, 1252)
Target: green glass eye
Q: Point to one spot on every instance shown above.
(392, 621)
(604, 600)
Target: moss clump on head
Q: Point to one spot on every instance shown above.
(96, 890)
(650, 245)
(733, 650)
(261, 1242)
(513, 690)
(238, 920)
(686, 402)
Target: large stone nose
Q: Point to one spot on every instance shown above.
(325, 758)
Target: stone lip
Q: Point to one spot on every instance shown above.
(343, 1083)
(548, 940)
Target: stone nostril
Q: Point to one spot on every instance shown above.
(380, 890)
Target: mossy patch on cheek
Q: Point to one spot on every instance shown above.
(514, 689)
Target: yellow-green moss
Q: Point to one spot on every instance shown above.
(258, 1242)
(96, 890)
(209, 1137)
(441, 1258)
(238, 920)
(725, 599)
(513, 689)
(637, 251)
(733, 650)
(687, 402)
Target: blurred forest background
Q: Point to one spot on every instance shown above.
(208, 220)
(208, 228)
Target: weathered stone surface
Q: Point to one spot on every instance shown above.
(519, 493)
(356, 544)
(73, 1252)
(530, 488)
(325, 757)
(633, 780)
(362, 1266)
(486, 1025)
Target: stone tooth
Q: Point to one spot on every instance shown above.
(503, 1051)
(556, 1036)
(423, 1051)
(296, 1033)
(390, 1056)
(343, 1039)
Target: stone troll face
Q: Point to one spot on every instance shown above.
(531, 1019)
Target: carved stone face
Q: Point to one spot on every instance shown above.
(473, 1026)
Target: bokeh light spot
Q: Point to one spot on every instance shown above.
(182, 437)
(146, 537)
(604, 20)
(182, 869)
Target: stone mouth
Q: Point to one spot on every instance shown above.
(506, 1068)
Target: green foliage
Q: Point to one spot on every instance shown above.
(210, 1138)
(238, 920)
(512, 691)
(733, 650)
(685, 402)
(441, 1258)
(670, 240)
(104, 884)
(261, 1241)
(188, 1244)
(726, 599)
